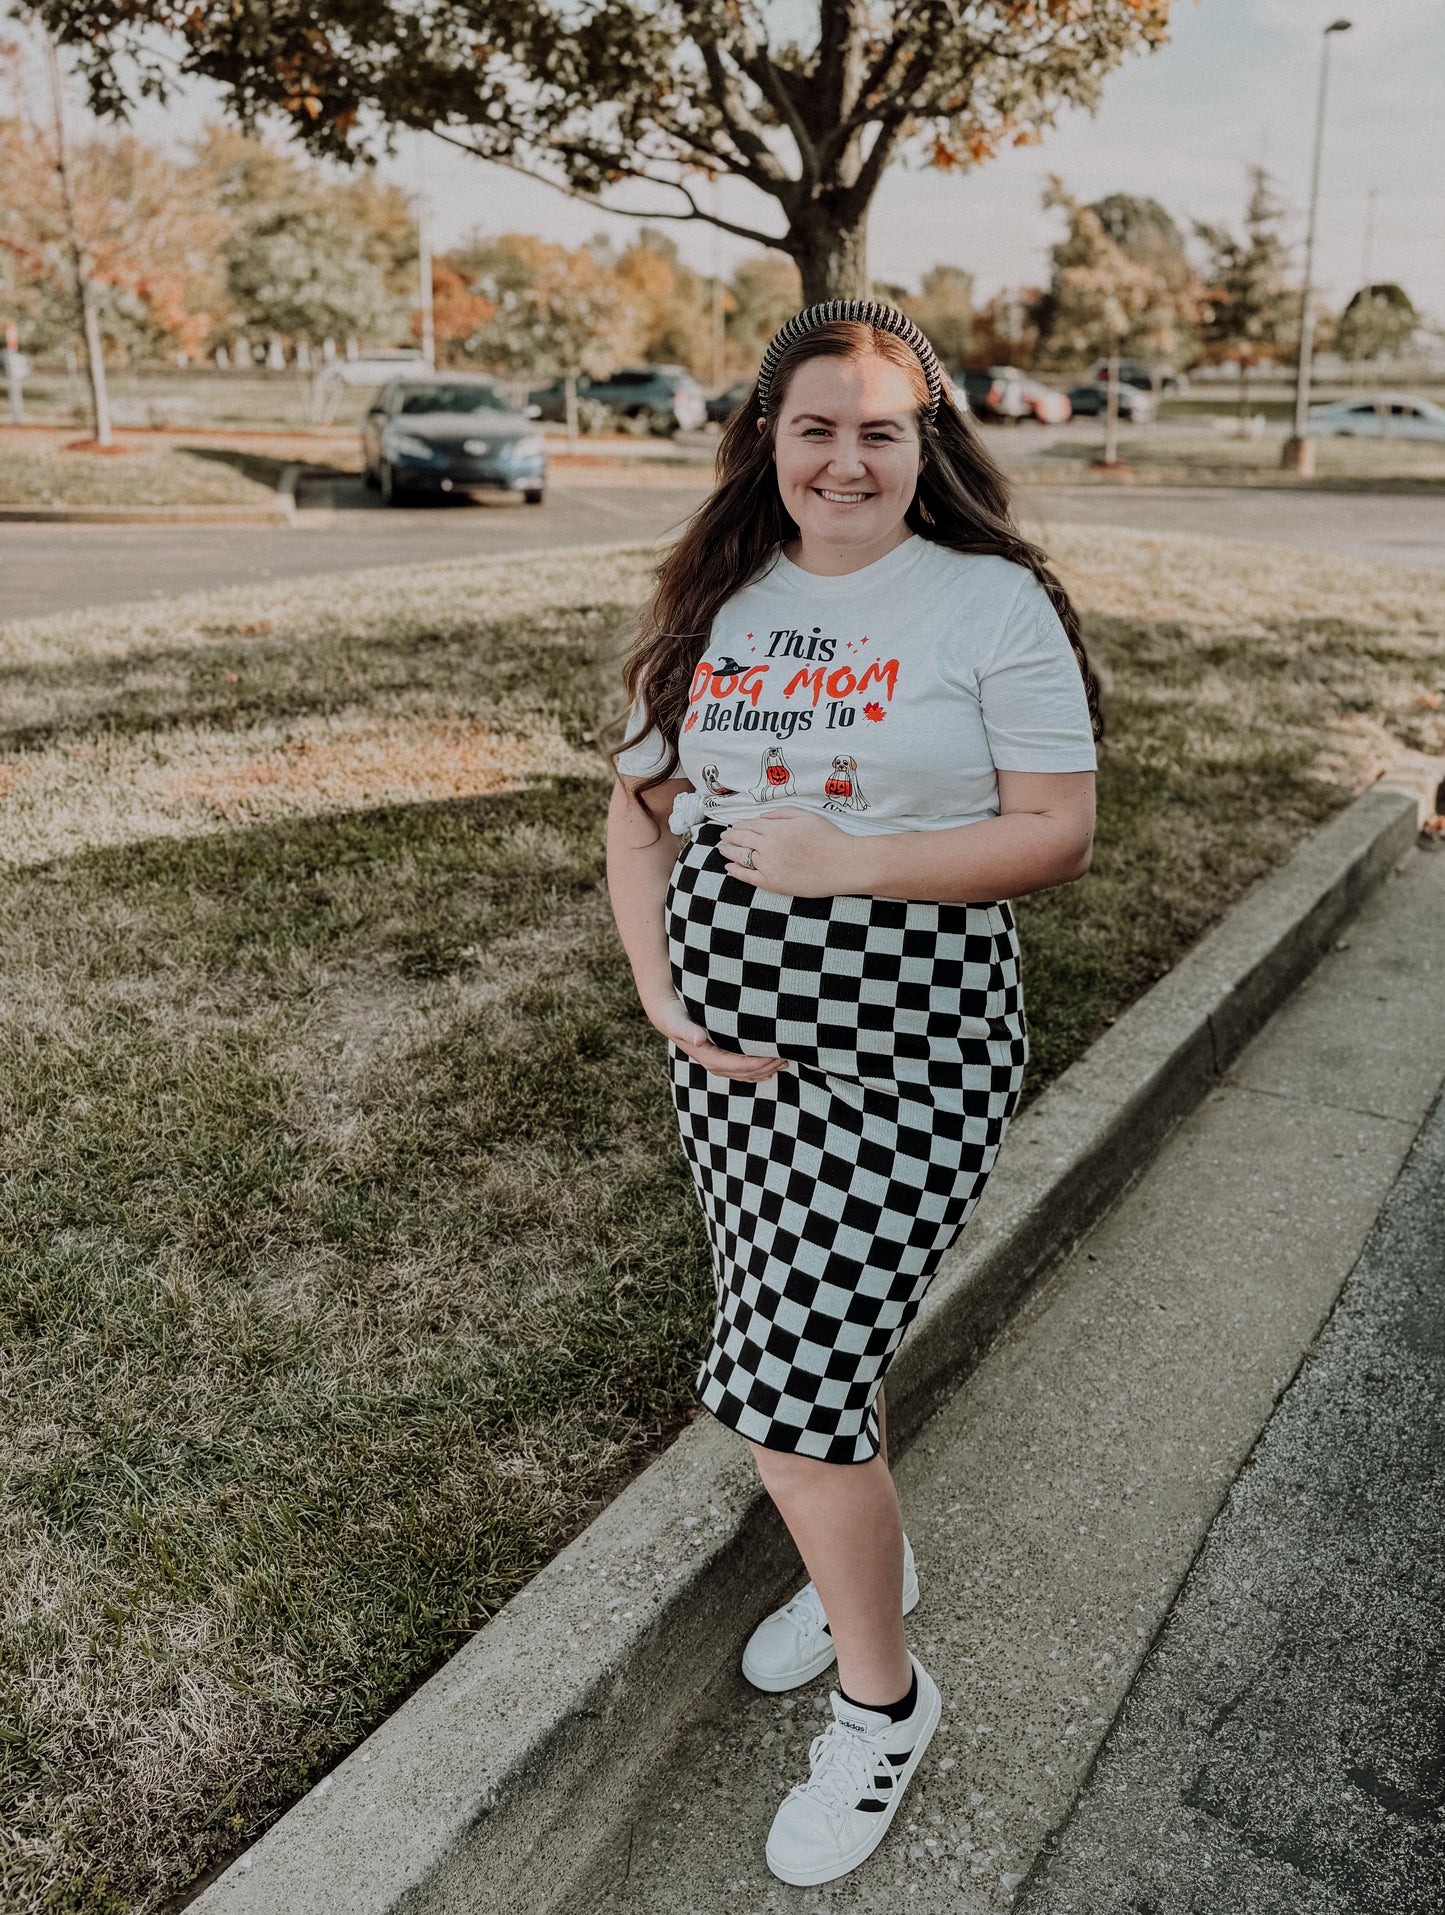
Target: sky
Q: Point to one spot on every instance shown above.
(1235, 86)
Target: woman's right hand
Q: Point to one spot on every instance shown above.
(670, 1016)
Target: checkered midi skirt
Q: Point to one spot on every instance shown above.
(832, 1190)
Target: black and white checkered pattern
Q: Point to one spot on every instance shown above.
(832, 1190)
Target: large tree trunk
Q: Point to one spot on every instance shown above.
(832, 254)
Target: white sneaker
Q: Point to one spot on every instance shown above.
(860, 1766)
(793, 1645)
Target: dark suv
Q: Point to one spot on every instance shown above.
(662, 398)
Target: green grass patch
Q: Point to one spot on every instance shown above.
(348, 1260)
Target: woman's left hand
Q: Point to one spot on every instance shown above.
(796, 853)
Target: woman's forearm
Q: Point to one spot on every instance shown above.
(1004, 857)
(641, 852)
(1042, 836)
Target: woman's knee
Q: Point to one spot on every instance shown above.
(785, 1473)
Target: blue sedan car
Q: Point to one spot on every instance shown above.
(451, 433)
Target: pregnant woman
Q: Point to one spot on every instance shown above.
(860, 700)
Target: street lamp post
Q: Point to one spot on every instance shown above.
(1299, 451)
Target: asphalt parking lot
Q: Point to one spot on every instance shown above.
(343, 528)
(57, 568)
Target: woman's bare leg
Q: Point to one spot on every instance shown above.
(844, 1519)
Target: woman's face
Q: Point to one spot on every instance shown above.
(847, 452)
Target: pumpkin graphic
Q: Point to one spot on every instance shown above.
(777, 779)
(841, 790)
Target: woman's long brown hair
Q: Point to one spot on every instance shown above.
(962, 501)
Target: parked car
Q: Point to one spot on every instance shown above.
(658, 398)
(992, 392)
(378, 368)
(1393, 415)
(1003, 392)
(1047, 404)
(451, 432)
(1133, 372)
(723, 405)
(1092, 401)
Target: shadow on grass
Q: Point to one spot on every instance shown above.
(553, 664)
(263, 468)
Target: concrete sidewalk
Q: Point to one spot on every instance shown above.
(1284, 1747)
(1058, 1502)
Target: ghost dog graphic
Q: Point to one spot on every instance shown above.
(777, 780)
(841, 787)
(715, 788)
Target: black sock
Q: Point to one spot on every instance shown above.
(895, 1711)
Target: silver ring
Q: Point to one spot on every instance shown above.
(747, 861)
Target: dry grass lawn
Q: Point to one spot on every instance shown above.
(347, 1258)
(1157, 455)
(36, 472)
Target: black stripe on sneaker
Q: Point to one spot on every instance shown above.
(885, 1783)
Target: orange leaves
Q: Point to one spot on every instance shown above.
(950, 152)
(874, 711)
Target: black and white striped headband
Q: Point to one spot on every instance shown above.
(870, 312)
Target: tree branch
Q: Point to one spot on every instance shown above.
(762, 70)
(839, 55)
(589, 199)
(746, 134)
(879, 154)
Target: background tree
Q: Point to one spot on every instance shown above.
(1100, 301)
(1378, 323)
(142, 231)
(1249, 311)
(308, 257)
(1006, 326)
(766, 289)
(807, 106)
(458, 312)
(943, 306)
(557, 313)
(1148, 234)
(670, 304)
(1151, 238)
(293, 274)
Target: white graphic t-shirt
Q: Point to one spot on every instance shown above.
(887, 699)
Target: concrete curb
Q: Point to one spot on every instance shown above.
(531, 1740)
(280, 513)
(286, 493)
